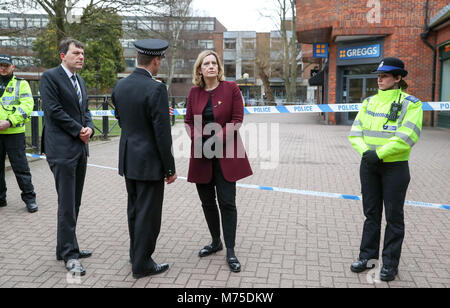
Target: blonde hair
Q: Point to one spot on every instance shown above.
(198, 78)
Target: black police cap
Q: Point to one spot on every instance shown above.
(393, 66)
(5, 59)
(151, 47)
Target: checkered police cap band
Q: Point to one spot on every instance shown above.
(150, 52)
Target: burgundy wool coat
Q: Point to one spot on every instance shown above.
(227, 108)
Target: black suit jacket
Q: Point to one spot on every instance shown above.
(142, 108)
(63, 116)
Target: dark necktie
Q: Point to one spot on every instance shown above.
(77, 89)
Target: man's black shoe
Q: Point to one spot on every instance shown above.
(75, 268)
(360, 266)
(32, 207)
(3, 203)
(388, 273)
(83, 254)
(210, 249)
(155, 270)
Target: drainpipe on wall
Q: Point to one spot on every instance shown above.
(424, 37)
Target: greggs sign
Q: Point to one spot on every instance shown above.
(359, 52)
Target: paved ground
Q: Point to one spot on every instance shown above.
(283, 241)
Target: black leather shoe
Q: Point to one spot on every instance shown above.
(3, 203)
(360, 266)
(32, 207)
(210, 249)
(388, 273)
(75, 268)
(83, 254)
(234, 264)
(157, 269)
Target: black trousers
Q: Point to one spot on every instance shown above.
(69, 177)
(14, 146)
(385, 183)
(226, 195)
(145, 200)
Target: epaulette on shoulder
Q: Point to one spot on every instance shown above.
(412, 99)
(368, 98)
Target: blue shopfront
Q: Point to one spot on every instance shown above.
(356, 60)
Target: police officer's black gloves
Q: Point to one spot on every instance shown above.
(371, 158)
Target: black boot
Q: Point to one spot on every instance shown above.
(360, 266)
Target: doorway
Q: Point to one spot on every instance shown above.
(356, 89)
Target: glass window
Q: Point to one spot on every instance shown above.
(276, 70)
(248, 44)
(4, 22)
(17, 23)
(191, 26)
(207, 25)
(248, 68)
(130, 62)
(230, 69)
(206, 44)
(230, 44)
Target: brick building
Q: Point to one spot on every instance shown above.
(358, 35)
(440, 27)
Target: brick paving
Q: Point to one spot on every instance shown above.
(283, 240)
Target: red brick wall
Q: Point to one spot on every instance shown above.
(402, 22)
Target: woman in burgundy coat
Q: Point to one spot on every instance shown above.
(214, 114)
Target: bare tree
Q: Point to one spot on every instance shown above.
(173, 16)
(291, 49)
(263, 73)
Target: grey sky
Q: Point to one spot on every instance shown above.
(240, 15)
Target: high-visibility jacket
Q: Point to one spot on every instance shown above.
(392, 140)
(16, 105)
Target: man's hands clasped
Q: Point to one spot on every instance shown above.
(85, 134)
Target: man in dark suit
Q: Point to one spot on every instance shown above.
(67, 129)
(145, 153)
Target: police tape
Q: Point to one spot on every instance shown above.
(435, 106)
(293, 191)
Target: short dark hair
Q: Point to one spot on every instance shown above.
(144, 60)
(65, 44)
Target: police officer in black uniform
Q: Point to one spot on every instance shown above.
(145, 152)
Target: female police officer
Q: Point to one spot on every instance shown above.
(385, 129)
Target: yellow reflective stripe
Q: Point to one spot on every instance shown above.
(413, 126)
(378, 134)
(405, 105)
(405, 138)
(355, 134)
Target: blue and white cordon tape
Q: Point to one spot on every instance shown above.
(293, 191)
(436, 106)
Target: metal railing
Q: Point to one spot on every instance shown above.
(103, 126)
